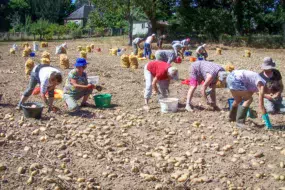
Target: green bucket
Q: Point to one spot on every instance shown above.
(102, 100)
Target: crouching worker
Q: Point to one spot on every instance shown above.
(77, 87)
(157, 78)
(201, 52)
(243, 84)
(273, 78)
(48, 78)
(167, 56)
(208, 72)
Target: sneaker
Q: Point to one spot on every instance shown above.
(188, 108)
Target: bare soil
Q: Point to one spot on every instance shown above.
(124, 147)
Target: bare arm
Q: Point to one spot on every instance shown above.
(154, 86)
(261, 96)
(76, 85)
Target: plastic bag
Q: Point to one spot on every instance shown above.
(46, 54)
(125, 62)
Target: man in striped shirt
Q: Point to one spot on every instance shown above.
(203, 71)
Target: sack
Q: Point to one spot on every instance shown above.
(29, 65)
(140, 53)
(114, 51)
(64, 61)
(46, 54)
(60, 50)
(88, 49)
(79, 48)
(83, 54)
(44, 44)
(26, 52)
(152, 56)
(12, 51)
(229, 67)
(92, 46)
(133, 62)
(45, 61)
(125, 62)
(25, 45)
(64, 45)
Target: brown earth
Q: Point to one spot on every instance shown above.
(115, 148)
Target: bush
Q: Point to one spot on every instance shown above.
(77, 33)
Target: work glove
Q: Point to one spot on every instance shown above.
(266, 120)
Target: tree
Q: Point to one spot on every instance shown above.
(80, 3)
(41, 28)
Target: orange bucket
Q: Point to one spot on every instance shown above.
(193, 59)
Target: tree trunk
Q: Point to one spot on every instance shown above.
(238, 16)
(130, 19)
(153, 25)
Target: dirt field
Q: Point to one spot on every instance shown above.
(126, 148)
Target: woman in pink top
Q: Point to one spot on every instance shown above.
(243, 84)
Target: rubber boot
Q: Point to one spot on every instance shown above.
(233, 114)
(241, 116)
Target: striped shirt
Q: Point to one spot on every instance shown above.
(136, 40)
(165, 55)
(199, 70)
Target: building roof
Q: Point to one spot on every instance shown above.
(81, 13)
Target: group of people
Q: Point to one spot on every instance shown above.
(178, 48)
(242, 84)
(76, 85)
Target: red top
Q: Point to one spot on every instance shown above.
(158, 69)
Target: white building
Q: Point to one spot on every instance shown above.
(142, 28)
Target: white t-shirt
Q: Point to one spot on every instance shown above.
(136, 41)
(200, 49)
(149, 40)
(44, 76)
(249, 78)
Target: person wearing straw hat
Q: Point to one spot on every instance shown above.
(157, 78)
(208, 72)
(243, 84)
(273, 78)
(201, 52)
(48, 77)
(136, 45)
(77, 87)
(167, 56)
(147, 46)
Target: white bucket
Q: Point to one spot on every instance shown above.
(168, 105)
(93, 80)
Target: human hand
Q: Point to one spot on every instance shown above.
(90, 86)
(99, 88)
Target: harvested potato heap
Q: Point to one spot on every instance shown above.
(44, 44)
(229, 67)
(64, 61)
(88, 49)
(133, 61)
(247, 53)
(46, 54)
(79, 48)
(152, 57)
(12, 51)
(219, 51)
(114, 51)
(27, 51)
(29, 65)
(45, 61)
(92, 46)
(125, 61)
(83, 54)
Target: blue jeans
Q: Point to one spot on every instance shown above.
(70, 100)
(147, 50)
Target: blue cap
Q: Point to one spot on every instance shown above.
(80, 62)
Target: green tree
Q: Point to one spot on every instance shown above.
(41, 28)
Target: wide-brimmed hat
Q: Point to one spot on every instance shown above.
(268, 63)
(80, 62)
(173, 73)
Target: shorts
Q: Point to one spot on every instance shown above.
(235, 84)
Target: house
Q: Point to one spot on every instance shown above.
(142, 28)
(80, 16)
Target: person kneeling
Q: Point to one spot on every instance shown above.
(77, 87)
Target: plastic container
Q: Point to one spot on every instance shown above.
(102, 100)
(168, 105)
(187, 53)
(93, 80)
(193, 59)
(31, 112)
(32, 54)
(35, 46)
(200, 58)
